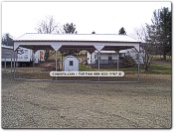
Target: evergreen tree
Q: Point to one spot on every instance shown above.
(122, 31)
(162, 31)
(7, 40)
(70, 28)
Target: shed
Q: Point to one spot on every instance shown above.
(70, 63)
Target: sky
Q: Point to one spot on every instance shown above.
(102, 17)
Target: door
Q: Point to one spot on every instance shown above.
(71, 66)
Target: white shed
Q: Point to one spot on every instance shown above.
(71, 63)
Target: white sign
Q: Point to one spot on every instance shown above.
(87, 74)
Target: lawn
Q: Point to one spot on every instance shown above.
(156, 67)
(160, 68)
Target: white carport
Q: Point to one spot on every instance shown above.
(89, 42)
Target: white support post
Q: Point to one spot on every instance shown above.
(91, 59)
(11, 63)
(138, 67)
(33, 60)
(98, 60)
(56, 60)
(14, 71)
(98, 63)
(62, 60)
(16, 61)
(56, 63)
(5, 65)
(117, 52)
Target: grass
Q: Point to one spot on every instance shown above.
(85, 68)
(156, 67)
(160, 68)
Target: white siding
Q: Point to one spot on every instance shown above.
(74, 66)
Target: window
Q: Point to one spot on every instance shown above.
(70, 63)
(110, 58)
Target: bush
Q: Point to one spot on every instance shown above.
(129, 62)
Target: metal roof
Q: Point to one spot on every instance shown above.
(77, 37)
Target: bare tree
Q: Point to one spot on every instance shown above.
(48, 26)
(147, 45)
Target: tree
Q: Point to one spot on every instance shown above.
(162, 23)
(147, 47)
(48, 26)
(7, 39)
(69, 28)
(93, 32)
(122, 31)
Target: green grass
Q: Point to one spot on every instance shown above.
(155, 68)
(85, 68)
(160, 68)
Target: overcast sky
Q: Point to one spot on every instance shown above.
(102, 17)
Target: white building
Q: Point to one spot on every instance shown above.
(23, 55)
(111, 57)
(70, 63)
(106, 57)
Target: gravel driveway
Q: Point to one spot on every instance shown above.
(146, 104)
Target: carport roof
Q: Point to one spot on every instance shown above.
(29, 37)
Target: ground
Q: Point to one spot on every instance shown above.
(28, 104)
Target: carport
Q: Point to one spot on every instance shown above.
(89, 42)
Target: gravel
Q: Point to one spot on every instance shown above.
(27, 104)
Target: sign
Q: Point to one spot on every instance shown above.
(87, 74)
